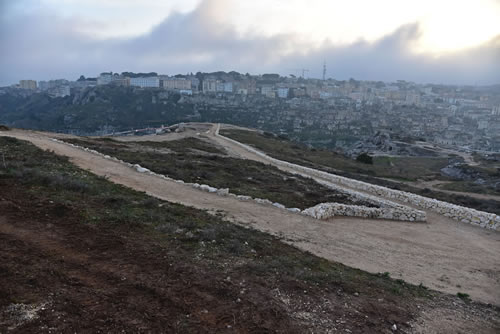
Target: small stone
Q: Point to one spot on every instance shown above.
(394, 327)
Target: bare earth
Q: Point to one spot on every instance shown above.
(442, 254)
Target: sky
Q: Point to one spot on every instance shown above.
(426, 41)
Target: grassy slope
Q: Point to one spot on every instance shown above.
(187, 160)
(399, 168)
(200, 240)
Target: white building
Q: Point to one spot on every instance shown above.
(43, 85)
(176, 83)
(228, 87)
(224, 87)
(145, 82)
(60, 91)
(104, 79)
(282, 92)
(63, 91)
(325, 95)
(482, 124)
(412, 98)
(27, 84)
(209, 86)
(267, 91)
(495, 110)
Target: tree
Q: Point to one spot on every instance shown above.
(365, 158)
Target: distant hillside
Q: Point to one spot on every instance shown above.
(94, 110)
(107, 108)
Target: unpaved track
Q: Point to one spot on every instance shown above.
(190, 130)
(442, 254)
(434, 183)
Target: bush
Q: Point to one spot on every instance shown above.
(268, 134)
(365, 158)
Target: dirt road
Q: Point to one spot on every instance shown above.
(442, 254)
(468, 158)
(190, 130)
(433, 185)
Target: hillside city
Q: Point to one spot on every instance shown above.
(326, 112)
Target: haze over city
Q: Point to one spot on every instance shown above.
(423, 41)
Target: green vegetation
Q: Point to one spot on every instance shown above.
(489, 160)
(468, 187)
(463, 296)
(193, 160)
(365, 158)
(191, 234)
(92, 110)
(182, 146)
(399, 168)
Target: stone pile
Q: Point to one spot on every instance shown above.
(328, 210)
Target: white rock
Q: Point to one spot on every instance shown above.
(279, 205)
(297, 210)
(207, 188)
(140, 169)
(223, 191)
(244, 198)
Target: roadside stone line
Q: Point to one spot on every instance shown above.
(202, 187)
(320, 211)
(463, 214)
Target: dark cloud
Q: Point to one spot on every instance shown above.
(42, 46)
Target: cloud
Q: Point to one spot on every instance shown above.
(42, 45)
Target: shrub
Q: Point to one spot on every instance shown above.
(365, 158)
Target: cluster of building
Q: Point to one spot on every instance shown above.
(55, 88)
(188, 84)
(274, 86)
(460, 116)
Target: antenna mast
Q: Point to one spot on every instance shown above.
(324, 70)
